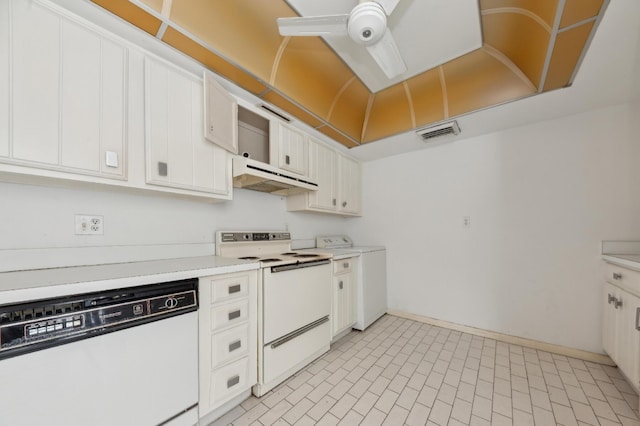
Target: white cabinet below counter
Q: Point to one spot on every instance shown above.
(343, 312)
(228, 335)
(621, 320)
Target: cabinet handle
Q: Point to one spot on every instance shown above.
(163, 168)
(211, 128)
(638, 319)
(233, 381)
(234, 289)
(344, 204)
(235, 345)
(617, 303)
(345, 265)
(287, 159)
(233, 315)
(334, 202)
(617, 276)
(610, 298)
(341, 285)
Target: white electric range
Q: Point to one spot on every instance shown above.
(294, 302)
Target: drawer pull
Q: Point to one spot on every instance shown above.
(638, 319)
(341, 285)
(233, 315)
(234, 289)
(610, 298)
(235, 345)
(617, 303)
(345, 265)
(617, 276)
(233, 381)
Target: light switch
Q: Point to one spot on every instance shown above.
(111, 158)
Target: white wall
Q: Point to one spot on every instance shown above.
(540, 199)
(34, 217)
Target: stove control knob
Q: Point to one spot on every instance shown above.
(170, 303)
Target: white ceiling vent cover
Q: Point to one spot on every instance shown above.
(429, 133)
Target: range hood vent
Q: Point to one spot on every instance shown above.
(276, 113)
(440, 130)
(251, 174)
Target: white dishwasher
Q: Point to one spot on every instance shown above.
(371, 284)
(118, 357)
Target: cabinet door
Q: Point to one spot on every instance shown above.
(4, 78)
(323, 168)
(350, 186)
(343, 298)
(610, 321)
(221, 115)
(178, 155)
(292, 149)
(628, 337)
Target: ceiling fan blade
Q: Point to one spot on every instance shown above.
(313, 25)
(388, 5)
(386, 54)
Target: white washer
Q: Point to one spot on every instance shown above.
(371, 287)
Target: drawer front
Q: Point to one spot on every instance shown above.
(226, 288)
(227, 382)
(343, 266)
(229, 345)
(623, 277)
(229, 314)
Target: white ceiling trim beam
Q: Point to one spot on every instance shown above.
(445, 97)
(552, 44)
(509, 64)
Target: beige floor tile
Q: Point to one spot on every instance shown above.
(298, 411)
(498, 419)
(540, 399)
(365, 403)
(344, 404)
(592, 390)
(559, 396)
(440, 413)
(304, 421)
(621, 408)
(461, 411)
(386, 401)
(521, 418)
(351, 419)
(407, 398)
(502, 404)
(481, 407)
(418, 415)
(319, 392)
(374, 417)
(465, 391)
(564, 415)
(447, 394)
(360, 387)
(396, 416)
(521, 401)
(251, 415)
(398, 383)
(479, 421)
(427, 396)
(275, 412)
(484, 389)
(543, 417)
(321, 408)
(416, 381)
(584, 413)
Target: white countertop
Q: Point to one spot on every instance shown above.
(42, 283)
(631, 261)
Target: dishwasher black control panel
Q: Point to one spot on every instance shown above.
(34, 325)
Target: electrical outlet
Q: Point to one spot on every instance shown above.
(89, 225)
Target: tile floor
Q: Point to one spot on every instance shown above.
(401, 372)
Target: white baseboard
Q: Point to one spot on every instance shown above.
(529, 343)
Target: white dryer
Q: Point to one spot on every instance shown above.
(371, 287)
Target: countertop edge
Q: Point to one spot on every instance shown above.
(625, 263)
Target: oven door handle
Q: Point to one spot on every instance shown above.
(293, 266)
(287, 337)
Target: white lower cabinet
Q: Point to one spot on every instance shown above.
(343, 312)
(228, 336)
(621, 316)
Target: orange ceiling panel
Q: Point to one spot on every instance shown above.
(579, 10)
(337, 136)
(212, 61)
(546, 10)
(520, 38)
(288, 106)
(235, 30)
(349, 109)
(133, 14)
(311, 74)
(566, 53)
(478, 80)
(390, 113)
(155, 5)
(427, 97)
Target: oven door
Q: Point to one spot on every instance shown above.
(295, 296)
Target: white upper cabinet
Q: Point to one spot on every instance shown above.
(339, 183)
(289, 148)
(220, 112)
(66, 94)
(350, 194)
(4, 79)
(323, 169)
(177, 153)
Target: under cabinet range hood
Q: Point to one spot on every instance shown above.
(258, 176)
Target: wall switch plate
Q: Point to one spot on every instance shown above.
(111, 159)
(89, 225)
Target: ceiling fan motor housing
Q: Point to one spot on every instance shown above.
(367, 23)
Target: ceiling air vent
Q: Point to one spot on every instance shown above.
(276, 113)
(429, 133)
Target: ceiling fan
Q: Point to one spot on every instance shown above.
(366, 25)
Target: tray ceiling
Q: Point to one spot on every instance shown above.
(526, 47)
